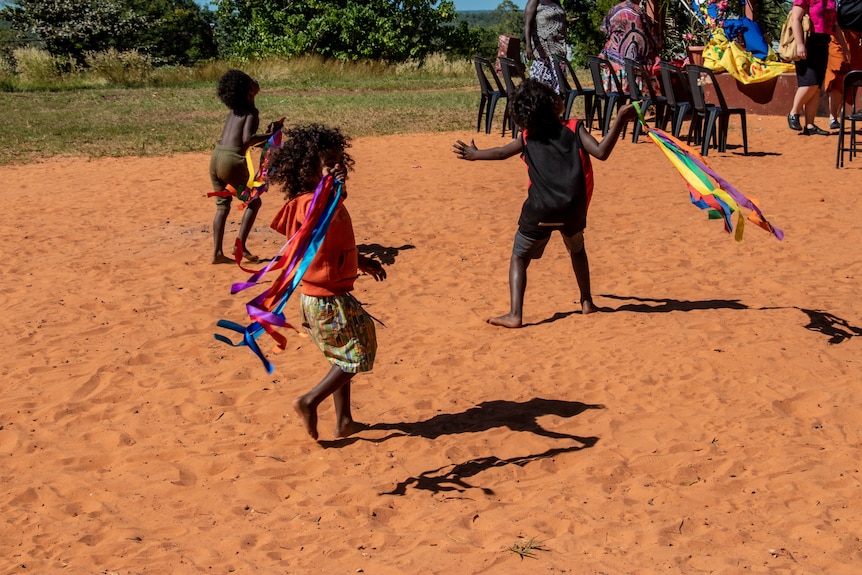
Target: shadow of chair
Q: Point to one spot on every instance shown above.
(715, 117)
(641, 89)
(492, 91)
(571, 90)
(611, 99)
(674, 87)
(852, 83)
(510, 71)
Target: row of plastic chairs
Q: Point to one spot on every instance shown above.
(682, 98)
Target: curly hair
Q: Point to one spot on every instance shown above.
(296, 164)
(233, 89)
(536, 108)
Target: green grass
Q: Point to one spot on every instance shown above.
(179, 111)
(157, 121)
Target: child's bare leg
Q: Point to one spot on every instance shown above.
(581, 267)
(344, 424)
(306, 405)
(219, 222)
(517, 288)
(246, 224)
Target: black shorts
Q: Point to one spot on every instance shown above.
(531, 246)
(812, 70)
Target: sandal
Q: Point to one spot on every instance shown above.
(793, 122)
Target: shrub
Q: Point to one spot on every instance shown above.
(36, 67)
(130, 68)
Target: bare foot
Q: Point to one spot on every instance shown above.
(250, 257)
(507, 320)
(222, 259)
(309, 417)
(349, 428)
(587, 306)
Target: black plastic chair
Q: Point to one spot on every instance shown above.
(510, 71)
(852, 83)
(563, 69)
(637, 76)
(492, 91)
(613, 99)
(716, 117)
(674, 87)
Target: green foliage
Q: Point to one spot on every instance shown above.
(171, 31)
(72, 27)
(177, 31)
(129, 68)
(389, 30)
(507, 18)
(36, 67)
(585, 35)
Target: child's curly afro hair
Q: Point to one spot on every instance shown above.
(296, 164)
(233, 89)
(536, 108)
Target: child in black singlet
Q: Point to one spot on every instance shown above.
(557, 155)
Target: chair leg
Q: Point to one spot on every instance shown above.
(840, 155)
(742, 121)
(661, 116)
(723, 127)
(483, 104)
(492, 105)
(588, 110)
(610, 103)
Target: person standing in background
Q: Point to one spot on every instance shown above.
(545, 28)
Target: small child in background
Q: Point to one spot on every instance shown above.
(228, 165)
(338, 325)
(560, 185)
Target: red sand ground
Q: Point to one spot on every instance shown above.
(707, 421)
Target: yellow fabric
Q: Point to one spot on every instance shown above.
(723, 56)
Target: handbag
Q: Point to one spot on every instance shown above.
(787, 43)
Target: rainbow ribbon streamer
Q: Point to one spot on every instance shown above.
(293, 259)
(708, 190)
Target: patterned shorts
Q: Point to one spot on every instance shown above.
(342, 330)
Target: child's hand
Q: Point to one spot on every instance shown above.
(628, 111)
(465, 151)
(372, 268)
(338, 171)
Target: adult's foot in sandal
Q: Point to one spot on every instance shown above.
(813, 130)
(793, 122)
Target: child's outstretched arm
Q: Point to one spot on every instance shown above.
(603, 150)
(471, 152)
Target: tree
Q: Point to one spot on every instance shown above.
(171, 31)
(391, 30)
(177, 31)
(72, 27)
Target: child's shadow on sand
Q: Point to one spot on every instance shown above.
(385, 255)
(514, 415)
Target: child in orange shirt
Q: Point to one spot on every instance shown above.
(338, 325)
